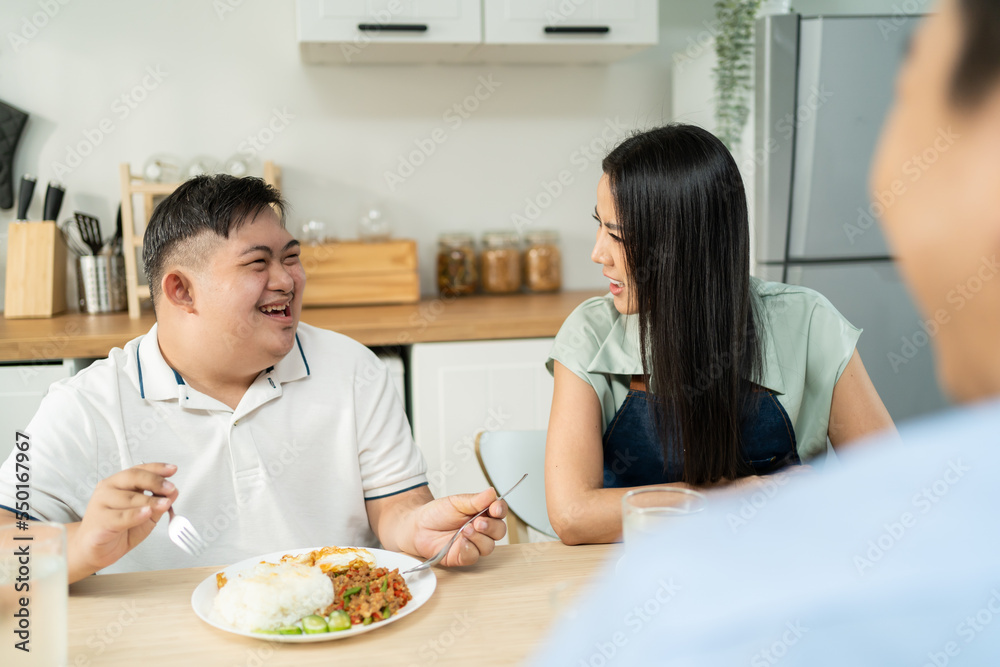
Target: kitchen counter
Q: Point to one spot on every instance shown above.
(430, 320)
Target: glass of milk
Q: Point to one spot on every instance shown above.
(649, 509)
(33, 594)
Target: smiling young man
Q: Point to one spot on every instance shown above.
(274, 434)
(892, 559)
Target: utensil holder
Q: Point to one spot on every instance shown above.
(36, 270)
(101, 283)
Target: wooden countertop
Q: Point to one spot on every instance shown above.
(496, 612)
(431, 320)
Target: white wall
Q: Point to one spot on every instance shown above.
(223, 75)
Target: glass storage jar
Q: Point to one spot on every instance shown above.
(501, 262)
(542, 262)
(456, 265)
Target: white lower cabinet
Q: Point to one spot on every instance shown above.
(458, 389)
(22, 386)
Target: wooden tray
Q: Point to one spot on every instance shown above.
(357, 273)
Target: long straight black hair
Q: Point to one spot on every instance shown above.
(681, 206)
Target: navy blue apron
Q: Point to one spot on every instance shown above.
(633, 455)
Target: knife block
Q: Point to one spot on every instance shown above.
(36, 270)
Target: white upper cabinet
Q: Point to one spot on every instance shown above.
(571, 22)
(577, 31)
(388, 31)
(451, 31)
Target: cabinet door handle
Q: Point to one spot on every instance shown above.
(577, 29)
(392, 27)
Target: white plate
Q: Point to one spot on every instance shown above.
(421, 585)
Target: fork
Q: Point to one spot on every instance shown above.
(183, 534)
(439, 556)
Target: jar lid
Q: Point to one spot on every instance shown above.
(496, 239)
(456, 239)
(542, 236)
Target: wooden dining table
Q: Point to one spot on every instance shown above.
(496, 612)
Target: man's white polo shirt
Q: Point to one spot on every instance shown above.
(313, 438)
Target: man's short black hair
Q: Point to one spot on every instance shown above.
(978, 70)
(219, 203)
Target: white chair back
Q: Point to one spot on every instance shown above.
(506, 455)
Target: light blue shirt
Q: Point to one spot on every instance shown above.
(892, 558)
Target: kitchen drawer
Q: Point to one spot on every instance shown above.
(571, 22)
(372, 31)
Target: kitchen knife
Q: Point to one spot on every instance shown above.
(24, 196)
(53, 200)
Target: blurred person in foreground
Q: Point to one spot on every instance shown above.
(892, 558)
(267, 433)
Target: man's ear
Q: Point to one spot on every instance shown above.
(177, 289)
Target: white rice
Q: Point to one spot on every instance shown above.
(273, 595)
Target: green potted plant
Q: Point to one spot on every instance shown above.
(734, 69)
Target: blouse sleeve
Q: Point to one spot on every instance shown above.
(810, 344)
(579, 340)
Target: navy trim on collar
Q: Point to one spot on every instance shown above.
(299, 343)
(177, 375)
(142, 390)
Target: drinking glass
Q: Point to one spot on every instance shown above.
(34, 594)
(646, 510)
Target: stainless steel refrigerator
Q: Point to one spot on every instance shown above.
(823, 88)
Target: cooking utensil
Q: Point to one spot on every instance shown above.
(183, 534)
(439, 556)
(24, 194)
(71, 235)
(114, 246)
(90, 231)
(53, 200)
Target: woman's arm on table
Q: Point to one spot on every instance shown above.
(581, 510)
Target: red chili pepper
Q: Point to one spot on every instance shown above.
(377, 616)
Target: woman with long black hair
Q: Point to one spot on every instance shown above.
(690, 372)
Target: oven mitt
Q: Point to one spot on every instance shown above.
(11, 125)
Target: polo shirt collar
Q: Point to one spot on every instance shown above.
(157, 381)
(619, 354)
(293, 366)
